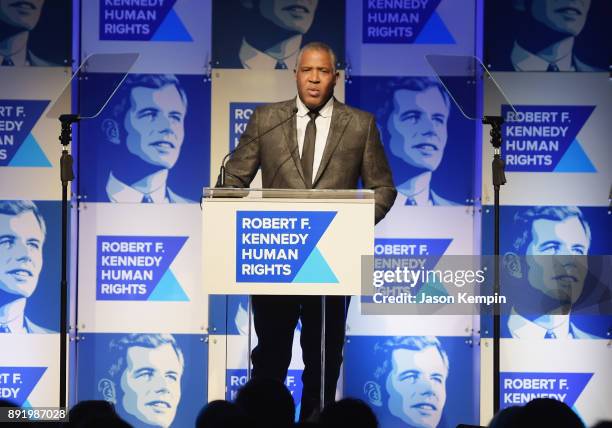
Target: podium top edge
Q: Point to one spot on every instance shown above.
(210, 192)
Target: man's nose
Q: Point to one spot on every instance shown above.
(163, 125)
(427, 126)
(425, 388)
(314, 77)
(22, 252)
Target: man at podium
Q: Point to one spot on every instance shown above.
(309, 142)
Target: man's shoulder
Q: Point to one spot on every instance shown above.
(273, 107)
(176, 199)
(583, 66)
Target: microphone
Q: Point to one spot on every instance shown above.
(223, 172)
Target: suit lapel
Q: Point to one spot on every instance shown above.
(340, 118)
(290, 130)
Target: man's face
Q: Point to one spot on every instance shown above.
(417, 386)
(21, 241)
(155, 125)
(151, 384)
(315, 77)
(291, 15)
(562, 276)
(22, 14)
(563, 16)
(417, 127)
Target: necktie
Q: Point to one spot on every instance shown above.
(4, 329)
(553, 67)
(147, 199)
(410, 201)
(309, 147)
(280, 65)
(7, 61)
(550, 335)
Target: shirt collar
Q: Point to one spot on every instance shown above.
(251, 57)
(120, 192)
(523, 60)
(16, 325)
(325, 111)
(522, 328)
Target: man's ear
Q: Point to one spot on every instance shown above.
(107, 388)
(373, 392)
(512, 263)
(519, 5)
(110, 127)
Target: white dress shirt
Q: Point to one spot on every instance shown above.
(118, 191)
(523, 60)
(322, 122)
(522, 328)
(255, 59)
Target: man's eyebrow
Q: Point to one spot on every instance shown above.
(411, 111)
(143, 369)
(405, 372)
(550, 241)
(7, 235)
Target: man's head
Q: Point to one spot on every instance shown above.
(316, 74)
(413, 371)
(145, 378)
(22, 234)
(294, 16)
(549, 251)
(415, 116)
(20, 15)
(563, 16)
(149, 119)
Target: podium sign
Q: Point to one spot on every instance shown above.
(286, 242)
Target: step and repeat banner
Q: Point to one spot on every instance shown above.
(149, 338)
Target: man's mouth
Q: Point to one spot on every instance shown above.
(566, 279)
(297, 9)
(425, 408)
(426, 147)
(21, 274)
(23, 5)
(159, 405)
(164, 145)
(569, 11)
(313, 92)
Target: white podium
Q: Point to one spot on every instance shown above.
(278, 242)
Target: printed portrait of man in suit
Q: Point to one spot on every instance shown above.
(22, 236)
(548, 268)
(414, 119)
(409, 381)
(545, 35)
(145, 131)
(17, 19)
(144, 380)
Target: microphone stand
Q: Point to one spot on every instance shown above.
(499, 179)
(66, 176)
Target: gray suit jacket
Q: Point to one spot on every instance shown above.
(353, 151)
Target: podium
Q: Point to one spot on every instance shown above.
(280, 242)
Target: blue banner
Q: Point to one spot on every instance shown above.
(137, 268)
(151, 20)
(280, 246)
(412, 380)
(518, 389)
(18, 147)
(152, 379)
(240, 113)
(17, 383)
(403, 22)
(543, 138)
